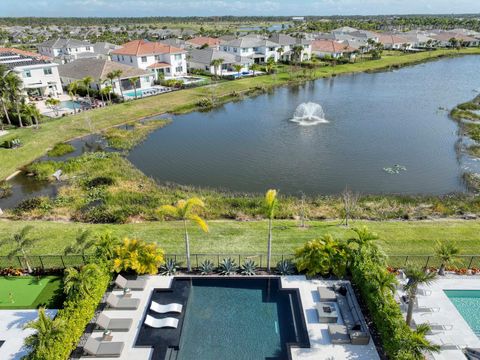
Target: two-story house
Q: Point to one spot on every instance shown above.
(65, 49)
(289, 46)
(252, 47)
(161, 59)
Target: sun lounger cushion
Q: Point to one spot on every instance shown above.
(338, 334)
(118, 302)
(103, 348)
(123, 283)
(104, 322)
(326, 294)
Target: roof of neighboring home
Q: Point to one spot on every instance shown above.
(344, 29)
(97, 69)
(283, 40)
(25, 53)
(206, 56)
(13, 60)
(59, 43)
(202, 40)
(330, 46)
(104, 48)
(179, 43)
(446, 36)
(391, 39)
(142, 47)
(159, 65)
(248, 42)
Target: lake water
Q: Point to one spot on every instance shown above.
(375, 121)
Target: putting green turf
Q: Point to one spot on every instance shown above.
(30, 292)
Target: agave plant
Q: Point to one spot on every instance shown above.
(285, 267)
(169, 268)
(249, 267)
(228, 267)
(206, 267)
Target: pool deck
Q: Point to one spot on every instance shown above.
(321, 347)
(461, 334)
(12, 332)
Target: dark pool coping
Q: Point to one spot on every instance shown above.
(148, 337)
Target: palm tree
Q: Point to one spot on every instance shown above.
(364, 238)
(416, 276)
(81, 245)
(45, 328)
(280, 52)
(117, 74)
(53, 103)
(270, 65)
(133, 81)
(186, 210)
(20, 242)
(238, 68)
(418, 344)
(217, 63)
(105, 246)
(80, 282)
(87, 81)
(446, 251)
(271, 203)
(107, 92)
(14, 85)
(386, 282)
(297, 53)
(254, 67)
(32, 111)
(4, 95)
(72, 92)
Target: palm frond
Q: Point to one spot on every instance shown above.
(169, 210)
(199, 221)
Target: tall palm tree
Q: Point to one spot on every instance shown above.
(87, 81)
(133, 81)
(254, 67)
(446, 251)
(270, 65)
(111, 76)
(32, 111)
(80, 282)
(216, 63)
(280, 52)
(416, 276)
(14, 86)
(271, 203)
(4, 95)
(53, 104)
(20, 242)
(107, 92)
(238, 68)
(45, 328)
(117, 74)
(186, 210)
(72, 92)
(82, 243)
(297, 53)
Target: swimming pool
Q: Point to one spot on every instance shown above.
(467, 303)
(69, 104)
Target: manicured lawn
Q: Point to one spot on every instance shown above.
(30, 292)
(37, 142)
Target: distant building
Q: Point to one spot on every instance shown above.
(335, 49)
(202, 59)
(298, 18)
(64, 47)
(38, 74)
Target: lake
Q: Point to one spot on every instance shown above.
(375, 121)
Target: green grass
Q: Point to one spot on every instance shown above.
(60, 149)
(37, 142)
(30, 292)
(126, 139)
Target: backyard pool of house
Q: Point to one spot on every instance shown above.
(70, 104)
(467, 303)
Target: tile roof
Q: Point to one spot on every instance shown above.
(25, 53)
(446, 36)
(391, 39)
(205, 56)
(142, 47)
(60, 42)
(159, 65)
(331, 46)
(202, 40)
(97, 69)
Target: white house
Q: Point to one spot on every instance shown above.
(59, 48)
(98, 70)
(161, 59)
(288, 44)
(202, 59)
(39, 76)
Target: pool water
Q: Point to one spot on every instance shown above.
(69, 104)
(467, 303)
(249, 319)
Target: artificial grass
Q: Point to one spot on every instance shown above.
(30, 292)
(37, 142)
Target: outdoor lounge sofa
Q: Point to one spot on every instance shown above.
(168, 308)
(326, 294)
(98, 348)
(353, 323)
(106, 323)
(161, 323)
(123, 283)
(122, 303)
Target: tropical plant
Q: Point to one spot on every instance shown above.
(186, 210)
(116, 74)
(32, 112)
(107, 92)
(249, 267)
(82, 243)
(138, 256)
(446, 251)
(297, 51)
(14, 89)
(105, 246)
(270, 205)
(53, 104)
(169, 267)
(322, 256)
(285, 267)
(73, 92)
(364, 237)
(254, 67)
(280, 52)
(45, 329)
(80, 282)
(416, 276)
(385, 281)
(4, 94)
(20, 242)
(227, 267)
(206, 267)
(270, 64)
(418, 344)
(86, 82)
(217, 63)
(238, 68)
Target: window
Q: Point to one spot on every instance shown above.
(123, 59)
(224, 48)
(234, 49)
(87, 48)
(168, 70)
(144, 59)
(146, 79)
(131, 59)
(27, 74)
(47, 71)
(179, 69)
(157, 57)
(272, 49)
(255, 49)
(178, 57)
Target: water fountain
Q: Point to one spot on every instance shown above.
(308, 114)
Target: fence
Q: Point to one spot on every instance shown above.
(46, 262)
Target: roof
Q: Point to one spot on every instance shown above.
(330, 46)
(159, 65)
(60, 43)
(104, 48)
(25, 53)
(142, 47)
(206, 56)
(13, 60)
(284, 40)
(97, 69)
(446, 36)
(202, 40)
(391, 39)
(247, 42)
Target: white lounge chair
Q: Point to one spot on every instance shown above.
(106, 323)
(103, 348)
(123, 283)
(122, 303)
(168, 308)
(161, 323)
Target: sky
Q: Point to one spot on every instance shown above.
(129, 8)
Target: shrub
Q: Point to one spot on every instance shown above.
(138, 256)
(5, 189)
(206, 267)
(28, 205)
(12, 144)
(169, 268)
(228, 267)
(249, 267)
(99, 181)
(61, 149)
(285, 267)
(205, 103)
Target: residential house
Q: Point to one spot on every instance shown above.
(203, 41)
(288, 43)
(332, 48)
(160, 59)
(444, 37)
(419, 39)
(39, 75)
(103, 49)
(394, 42)
(98, 70)
(68, 48)
(202, 59)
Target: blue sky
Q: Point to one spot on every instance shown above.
(232, 7)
